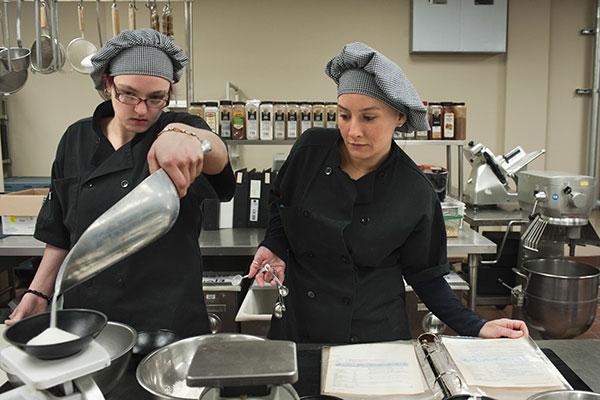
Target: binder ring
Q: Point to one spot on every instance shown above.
(443, 373)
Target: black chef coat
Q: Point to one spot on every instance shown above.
(160, 286)
(348, 243)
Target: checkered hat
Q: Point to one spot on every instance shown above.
(139, 52)
(361, 69)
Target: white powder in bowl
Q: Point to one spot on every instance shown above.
(52, 336)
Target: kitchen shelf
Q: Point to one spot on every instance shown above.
(261, 142)
(414, 142)
(401, 142)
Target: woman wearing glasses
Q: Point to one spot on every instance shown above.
(102, 158)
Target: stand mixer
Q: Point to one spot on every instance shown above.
(487, 184)
(560, 205)
(558, 297)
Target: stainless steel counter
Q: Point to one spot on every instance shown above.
(495, 216)
(243, 242)
(581, 355)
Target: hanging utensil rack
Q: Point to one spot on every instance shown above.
(187, 46)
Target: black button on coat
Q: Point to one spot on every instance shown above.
(159, 287)
(348, 244)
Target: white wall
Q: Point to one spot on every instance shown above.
(277, 50)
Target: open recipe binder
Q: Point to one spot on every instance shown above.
(437, 367)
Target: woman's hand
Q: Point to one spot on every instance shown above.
(30, 305)
(504, 327)
(262, 257)
(181, 155)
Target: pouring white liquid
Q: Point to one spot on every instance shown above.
(57, 286)
(53, 335)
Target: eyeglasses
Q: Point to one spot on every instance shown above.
(132, 100)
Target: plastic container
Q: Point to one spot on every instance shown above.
(225, 110)
(279, 110)
(238, 121)
(318, 115)
(453, 211)
(460, 121)
(211, 115)
(330, 115)
(252, 119)
(305, 116)
(448, 119)
(266, 120)
(293, 125)
(435, 111)
(197, 109)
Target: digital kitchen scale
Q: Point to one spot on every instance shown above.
(245, 369)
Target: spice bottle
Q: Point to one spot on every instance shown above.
(238, 126)
(279, 120)
(435, 120)
(197, 109)
(211, 115)
(252, 119)
(330, 115)
(305, 116)
(460, 121)
(318, 115)
(225, 109)
(422, 135)
(448, 117)
(266, 120)
(292, 120)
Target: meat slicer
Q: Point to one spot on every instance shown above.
(488, 183)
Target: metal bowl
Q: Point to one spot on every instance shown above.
(560, 297)
(118, 339)
(163, 372)
(565, 395)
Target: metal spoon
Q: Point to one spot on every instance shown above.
(237, 279)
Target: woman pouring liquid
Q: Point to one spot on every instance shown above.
(352, 217)
(102, 158)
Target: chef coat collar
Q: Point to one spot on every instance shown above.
(105, 110)
(365, 186)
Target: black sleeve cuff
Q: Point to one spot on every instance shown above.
(279, 247)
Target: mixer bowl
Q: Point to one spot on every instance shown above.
(118, 339)
(163, 372)
(561, 297)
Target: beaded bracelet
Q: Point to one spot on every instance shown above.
(39, 294)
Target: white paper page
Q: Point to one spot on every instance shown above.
(374, 369)
(501, 363)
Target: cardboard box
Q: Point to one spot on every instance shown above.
(19, 211)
